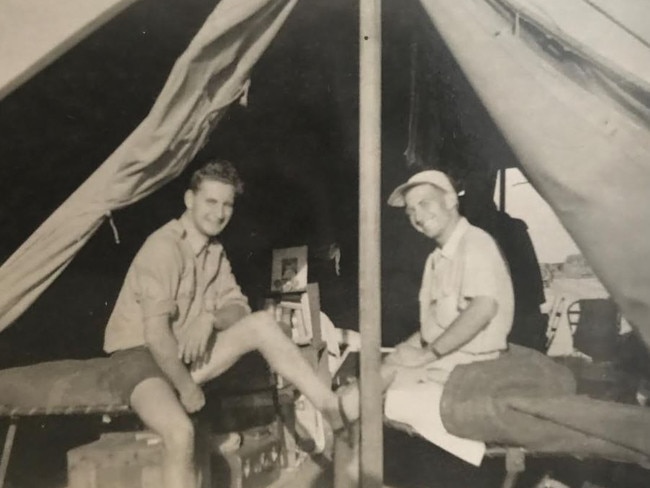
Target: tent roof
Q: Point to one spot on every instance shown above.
(606, 31)
(34, 33)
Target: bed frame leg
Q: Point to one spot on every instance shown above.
(6, 451)
(515, 465)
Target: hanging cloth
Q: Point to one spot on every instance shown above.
(210, 75)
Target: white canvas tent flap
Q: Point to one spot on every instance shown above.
(206, 78)
(601, 28)
(34, 33)
(588, 158)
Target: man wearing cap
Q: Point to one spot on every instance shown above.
(466, 297)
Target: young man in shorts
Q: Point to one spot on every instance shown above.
(181, 319)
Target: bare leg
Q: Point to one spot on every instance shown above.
(156, 403)
(259, 331)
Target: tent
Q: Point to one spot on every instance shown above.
(32, 35)
(573, 139)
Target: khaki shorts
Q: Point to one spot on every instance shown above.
(130, 368)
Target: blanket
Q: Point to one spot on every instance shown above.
(526, 399)
(55, 386)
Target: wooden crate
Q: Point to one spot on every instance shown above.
(256, 464)
(125, 460)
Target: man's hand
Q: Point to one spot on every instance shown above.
(193, 340)
(410, 356)
(192, 398)
(221, 320)
(228, 315)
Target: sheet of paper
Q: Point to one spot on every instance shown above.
(418, 405)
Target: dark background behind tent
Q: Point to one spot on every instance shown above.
(295, 144)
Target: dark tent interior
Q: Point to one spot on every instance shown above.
(295, 144)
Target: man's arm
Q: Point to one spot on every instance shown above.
(410, 353)
(194, 340)
(226, 305)
(413, 352)
(164, 349)
(476, 317)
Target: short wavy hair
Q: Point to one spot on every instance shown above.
(217, 170)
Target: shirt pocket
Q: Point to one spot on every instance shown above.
(444, 294)
(186, 289)
(442, 282)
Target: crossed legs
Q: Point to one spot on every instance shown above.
(260, 332)
(157, 404)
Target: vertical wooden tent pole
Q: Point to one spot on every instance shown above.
(502, 189)
(371, 459)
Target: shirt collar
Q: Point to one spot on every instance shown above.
(450, 247)
(198, 243)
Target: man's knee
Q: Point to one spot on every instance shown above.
(257, 324)
(178, 436)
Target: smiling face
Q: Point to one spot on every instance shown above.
(431, 211)
(210, 206)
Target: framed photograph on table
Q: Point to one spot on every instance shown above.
(289, 270)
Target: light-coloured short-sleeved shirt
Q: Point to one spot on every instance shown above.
(169, 276)
(469, 265)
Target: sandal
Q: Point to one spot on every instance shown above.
(343, 425)
(345, 431)
(339, 419)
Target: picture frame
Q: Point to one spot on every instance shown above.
(289, 270)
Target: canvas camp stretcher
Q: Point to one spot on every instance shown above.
(56, 388)
(82, 387)
(13, 414)
(67, 387)
(514, 457)
(534, 411)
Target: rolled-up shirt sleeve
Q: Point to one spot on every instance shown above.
(226, 291)
(157, 270)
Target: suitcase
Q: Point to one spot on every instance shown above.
(123, 460)
(255, 464)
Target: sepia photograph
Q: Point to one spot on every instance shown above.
(289, 270)
(324, 243)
